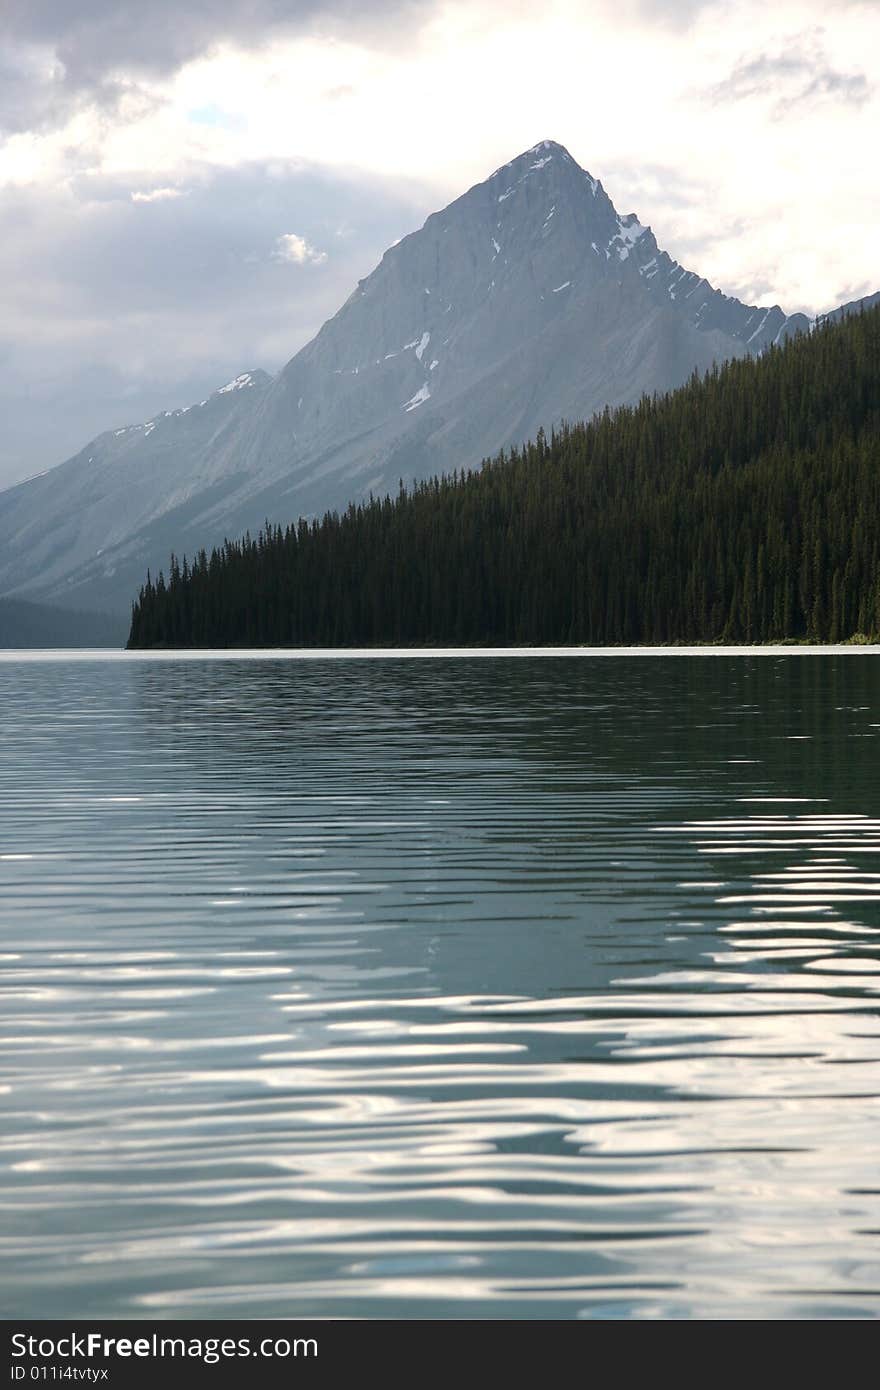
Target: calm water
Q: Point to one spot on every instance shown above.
(540, 987)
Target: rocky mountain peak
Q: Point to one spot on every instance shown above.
(526, 301)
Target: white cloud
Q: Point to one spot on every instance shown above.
(480, 81)
(297, 251)
(157, 195)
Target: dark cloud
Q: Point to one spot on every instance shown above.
(798, 76)
(91, 37)
(115, 309)
(59, 54)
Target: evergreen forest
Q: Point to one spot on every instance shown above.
(743, 507)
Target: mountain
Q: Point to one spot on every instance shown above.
(66, 534)
(853, 306)
(740, 508)
(527, 301)
(24, 624)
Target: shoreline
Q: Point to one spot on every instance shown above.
(36, 654)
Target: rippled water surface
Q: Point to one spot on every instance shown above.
(536, 987)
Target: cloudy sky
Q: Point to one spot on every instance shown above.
(190, 187)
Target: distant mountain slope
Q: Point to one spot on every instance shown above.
(740, 508)
(854, 306)
(60, 533)
(24, 624)
(526, 301)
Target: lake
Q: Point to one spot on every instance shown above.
(533, 986)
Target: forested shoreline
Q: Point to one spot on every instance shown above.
(743, 507)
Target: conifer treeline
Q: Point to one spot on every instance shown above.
(744, 507)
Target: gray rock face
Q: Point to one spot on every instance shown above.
(527, 301)
(65, 534)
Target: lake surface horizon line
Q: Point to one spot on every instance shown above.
(12, 654)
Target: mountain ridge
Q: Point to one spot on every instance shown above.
(525, 301)
(738, 508)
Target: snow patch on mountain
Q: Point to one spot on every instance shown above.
(237, 383)
(422, 395)
(630, 231)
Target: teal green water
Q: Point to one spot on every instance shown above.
(536, 987)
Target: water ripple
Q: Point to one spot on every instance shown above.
(528, 988)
